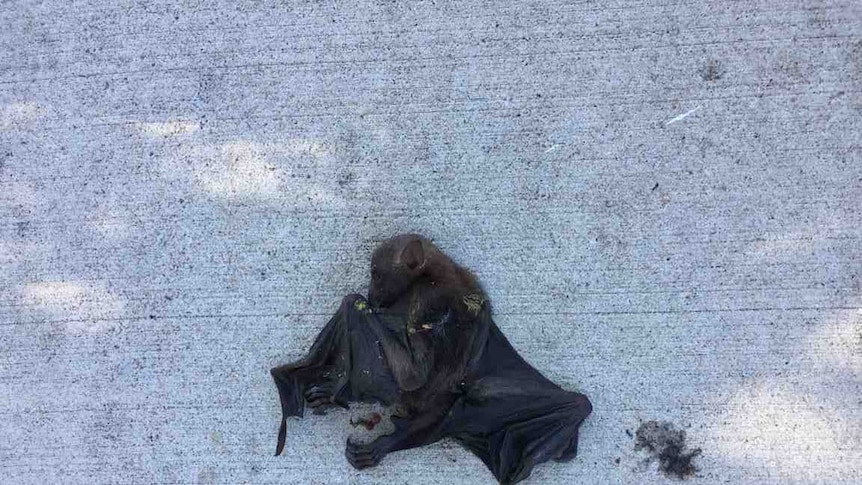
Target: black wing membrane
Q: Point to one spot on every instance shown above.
(511, 416)
(501, 409)
(345, 364)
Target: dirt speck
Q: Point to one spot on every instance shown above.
(667, 444)
(22, 227)
(345, 178)
(712, 71)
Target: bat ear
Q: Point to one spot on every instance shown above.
(413, 255)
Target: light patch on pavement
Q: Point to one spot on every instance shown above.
(298, 146)
(838, 345)
(788, 246)
(84, 308)
(168, 128)
(19, 114)
(18, 194)
(13, 252)
(242, 171)
(112, 223)
(772, 426)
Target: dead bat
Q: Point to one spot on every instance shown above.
(424, 342)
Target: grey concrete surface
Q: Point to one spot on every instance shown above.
(661, 198)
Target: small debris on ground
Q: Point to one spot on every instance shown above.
(667, 444)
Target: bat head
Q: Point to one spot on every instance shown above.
(395, 265)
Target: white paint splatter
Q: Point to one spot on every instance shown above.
(682, 116)
(552, 148)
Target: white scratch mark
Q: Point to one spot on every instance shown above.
(549, 150)
(682, 116)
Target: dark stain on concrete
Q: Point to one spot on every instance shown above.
(712, 71)
(667, 444)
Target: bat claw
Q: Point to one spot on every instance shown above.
(365, 455)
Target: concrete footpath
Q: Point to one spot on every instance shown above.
(663, 200)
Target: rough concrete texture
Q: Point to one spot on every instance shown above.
(187, 189)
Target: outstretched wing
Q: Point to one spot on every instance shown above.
(511, 416)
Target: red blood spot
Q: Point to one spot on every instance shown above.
(371, 422)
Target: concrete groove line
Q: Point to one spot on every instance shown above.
(528, 313)
(602, 9)
(699, 30)
(360, 166)
(448, 57)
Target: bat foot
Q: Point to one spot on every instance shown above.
(365, 455)
(321, 396)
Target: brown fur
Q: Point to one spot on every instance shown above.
(400, 262)
(413, 278)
